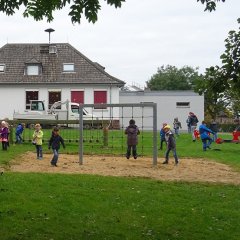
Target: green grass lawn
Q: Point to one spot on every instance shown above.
(55, 206)
(58, 206)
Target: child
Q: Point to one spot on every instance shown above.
(54, 142)
(162, 136)
(132, 132)
(176, 125)
(171, 145)
(204, 134)
(188, 124)
(4, 135)
(19, 131)
(37, 140)
(196, 134)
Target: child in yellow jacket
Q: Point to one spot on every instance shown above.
(37, 140)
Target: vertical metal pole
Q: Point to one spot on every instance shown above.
(155, 151)
(80, 134)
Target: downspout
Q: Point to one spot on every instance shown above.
(110, 94)
(110, 123)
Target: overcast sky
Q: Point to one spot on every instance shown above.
(132, 42)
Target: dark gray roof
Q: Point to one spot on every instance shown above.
(16, 56)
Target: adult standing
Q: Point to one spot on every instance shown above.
(214, 127)
(193, 120)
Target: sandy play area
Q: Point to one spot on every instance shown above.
(188, 169)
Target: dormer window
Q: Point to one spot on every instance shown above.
(2, 68)
(52, 49)
(68, 67)
(33, 69)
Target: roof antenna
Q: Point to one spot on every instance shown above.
(49, 30)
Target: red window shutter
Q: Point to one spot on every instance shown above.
(100, 97)
(77, 96)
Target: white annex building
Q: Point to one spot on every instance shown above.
(170, 104)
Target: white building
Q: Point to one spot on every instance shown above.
(170, 104)
(52, 72)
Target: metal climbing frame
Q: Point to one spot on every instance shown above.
(124, 105)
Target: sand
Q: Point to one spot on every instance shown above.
(190, 170)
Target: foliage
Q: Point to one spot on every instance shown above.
(231, 61)
(214, 99)
(221, 85)
(210, 5)
(171, 78)
(227, 127)
(39, 9)
(231, 69)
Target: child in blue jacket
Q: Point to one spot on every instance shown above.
(19, 131)
(162, 136)
(205, 135)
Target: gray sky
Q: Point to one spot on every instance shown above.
(132, 42)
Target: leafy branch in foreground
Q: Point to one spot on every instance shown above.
(39, 9)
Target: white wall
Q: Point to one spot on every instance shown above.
(166, 106)
(12, 98)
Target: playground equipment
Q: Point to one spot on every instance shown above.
(236, 135)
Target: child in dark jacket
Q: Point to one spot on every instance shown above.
(171, 145)
(54, 143)
(132, 132)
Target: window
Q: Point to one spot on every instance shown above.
(54, 96)
(37, 106)
(183, 104)
(2, 68)
(77, 96)
(52, 49)
(75, 109)
(100, 97)
(33, 70)
(31, 95)
(68, 67)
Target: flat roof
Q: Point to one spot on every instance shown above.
(158, 93)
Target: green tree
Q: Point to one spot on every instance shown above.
(40, 9)
(221, 85)
(172, 78)
(231, 61)
(215, 100)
